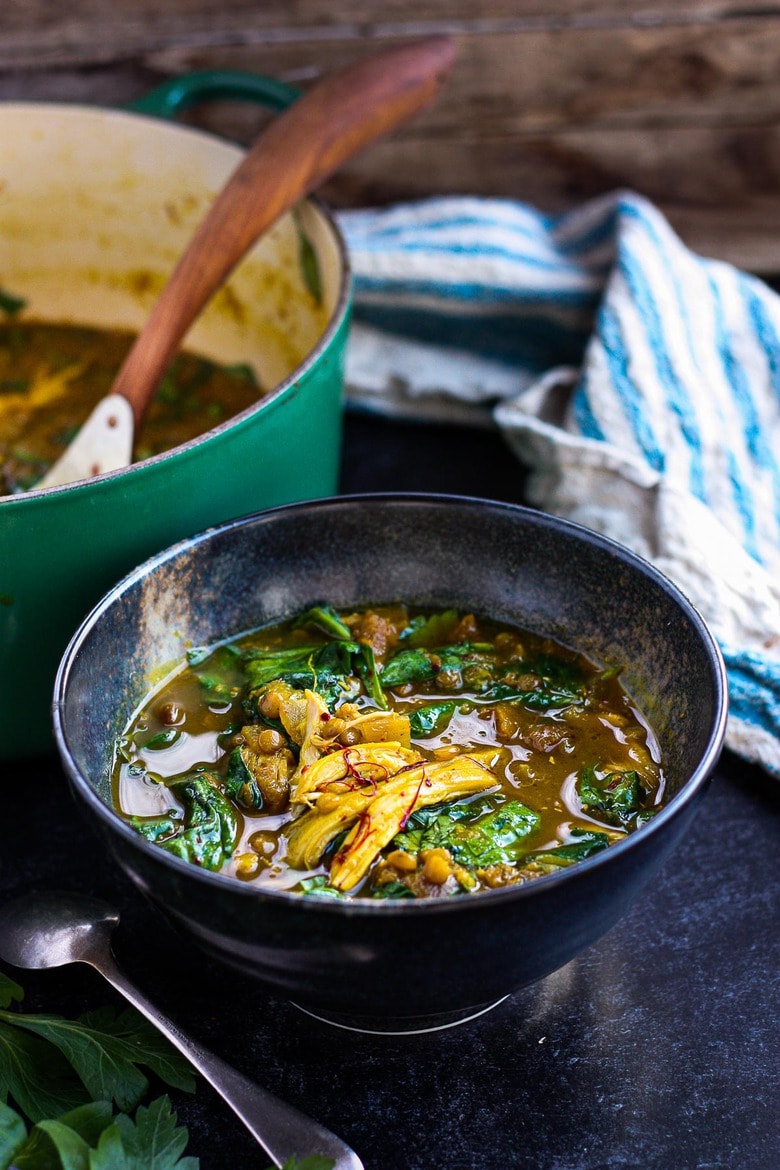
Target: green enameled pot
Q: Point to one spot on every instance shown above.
(96, 207)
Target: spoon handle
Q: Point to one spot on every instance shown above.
(335, 119)
(281, 1130)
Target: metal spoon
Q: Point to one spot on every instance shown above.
(333, 121)
(53, 929)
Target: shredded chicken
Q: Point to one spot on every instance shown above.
(366, 763)
(389, 809)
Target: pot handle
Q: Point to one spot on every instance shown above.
(170, 98)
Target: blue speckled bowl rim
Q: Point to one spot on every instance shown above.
(112, 821)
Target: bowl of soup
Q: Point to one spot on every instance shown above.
(95, 208)
(394, 755)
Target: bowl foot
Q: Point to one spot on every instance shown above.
(399, 1025)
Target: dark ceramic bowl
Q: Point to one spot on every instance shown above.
(375, 963)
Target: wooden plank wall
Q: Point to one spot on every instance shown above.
(552, 101)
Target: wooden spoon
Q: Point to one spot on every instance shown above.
(334, 120)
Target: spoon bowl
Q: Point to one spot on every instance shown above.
(54, 929)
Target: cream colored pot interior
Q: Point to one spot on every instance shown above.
(95, 208)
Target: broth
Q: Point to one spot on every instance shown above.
(387, 753)
(51, 376)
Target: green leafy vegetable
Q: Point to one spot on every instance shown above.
(10, 304)
(13, 1133)
(367, 669)
(325, 618)
(152, 1141)
(318, 887)
(583, 843)
(430, 631)
(322, 668)
(408, 666)
(94, 1138)
(558, 673)
(36, 1075)
(309, 261)
(543, 699)
(488, 839)
(392, 890)
(240, 785)
(617, 796)
(60, 1080)
(220, 671)
(205, 834)
(66, 1140)
(418, 665)
(9, 991)
(242, 370)
(162, 739)
(432, 718)
(103, 1049)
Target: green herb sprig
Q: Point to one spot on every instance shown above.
(71, 1091)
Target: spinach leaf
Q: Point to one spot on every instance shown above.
(240, 785)
(318, 887)
(242, 370)
(582, 843)
(308, 260)
(162, 739)
(489, 839)
(10, 304)
(407, 666)
(207, 832)
(418, 665)
(363, 660)
(392, 890)
(432, 718)
(430, 631)
(617, 796)
(559, 674)
(325, 618)
(219, 670)
(322, 668)
(367, 669)
(544, 699)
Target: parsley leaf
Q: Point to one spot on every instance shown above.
(152, 1142)
(9, 991)
(36, 1076)
(104, 1051)
(50, 1065)
(13, 1133)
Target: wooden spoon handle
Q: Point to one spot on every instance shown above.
(334, 120)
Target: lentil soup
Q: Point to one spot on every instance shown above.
(387, 753)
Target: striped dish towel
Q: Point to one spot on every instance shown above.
(638, 381)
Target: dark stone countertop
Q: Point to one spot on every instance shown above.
(655, 1049)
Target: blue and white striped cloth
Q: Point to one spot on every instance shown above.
(639, 381)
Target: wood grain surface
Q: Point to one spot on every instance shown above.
(551, 101)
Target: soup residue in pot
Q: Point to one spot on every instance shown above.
(51, 376)
(387, 753)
